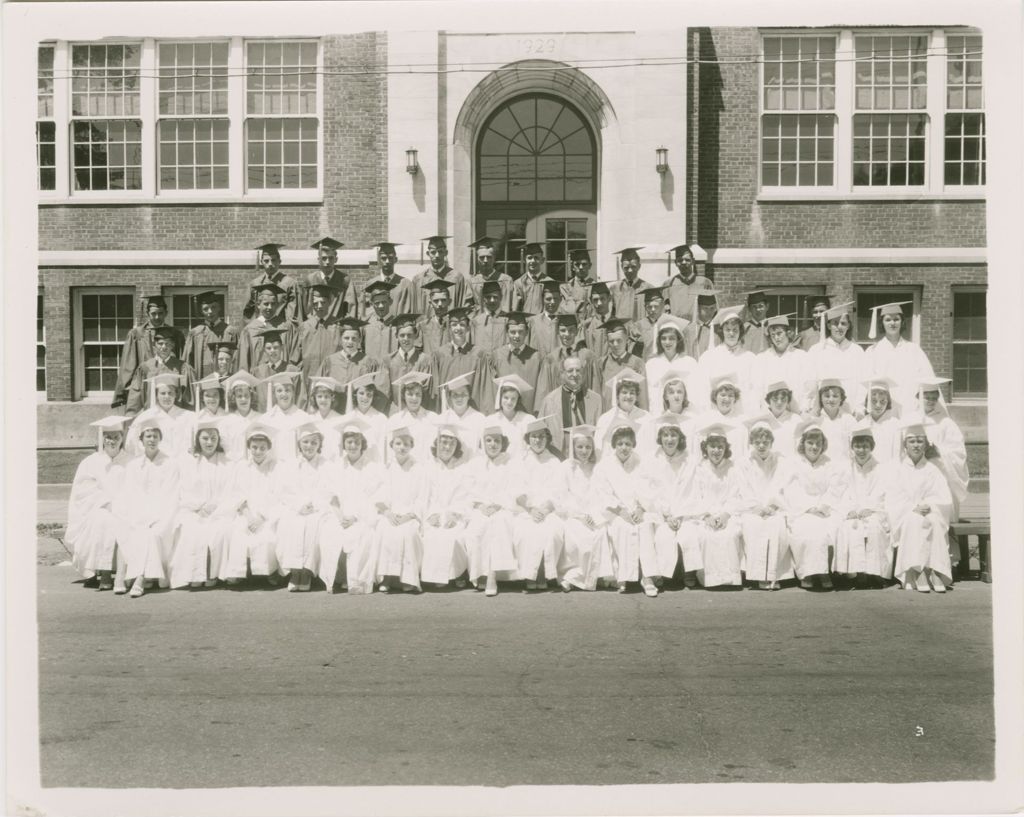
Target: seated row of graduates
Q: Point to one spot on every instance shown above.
(456, 497)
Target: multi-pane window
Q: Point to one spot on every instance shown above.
(562, 236)
(40, 344)
(46, 128)
(965, 122)
(106, 131)
(183, 312)
(797, 137)
(793, 302)
(852, 112)
(193, 110)
(892, 83)
(510, 234)
(104, 317)
(970, 348)
(282, 123)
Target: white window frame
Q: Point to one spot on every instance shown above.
(149, 114)
(78, 344)
(40, 305)
(915, 328)
(798, 290)
(191, 291)
(965, 398)
(845, 75)
(50, 118)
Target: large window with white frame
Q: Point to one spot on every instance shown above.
(871, 113)
(970, 343)
(203, 119)
(102, 318)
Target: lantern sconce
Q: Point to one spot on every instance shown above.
(412, 165)
(662, 166)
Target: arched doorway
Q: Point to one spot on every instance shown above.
(536, 180)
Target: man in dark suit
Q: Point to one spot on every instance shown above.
(570, 404)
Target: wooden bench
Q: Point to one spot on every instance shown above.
(982, 528)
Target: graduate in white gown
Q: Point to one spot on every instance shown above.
(625, 491)
(863, 545)
(726, 408)
(492, 503)
(348, 530)
(730, 357)
(411, 414)
(208, 399)
(283, 415)
(833, 413)
(883, 418)
(585, 553)
(361, 394)
(766, 473)
(782, 361)
(322, 391)
(509, 412)
(240, 389)
(945, 436)
(536, 528)
(401, 502)
(146, 507)
(201, 524)
(92, 526)
(174, 420)
(445, 558)
(782, 417)
(625, 387)
(836, 355)
(306, 490)
(254, 504)
(668, 471)
(895, 357)
(457, 408)
(670, 355)
(919, 505)
(814, 498)
(715, 501)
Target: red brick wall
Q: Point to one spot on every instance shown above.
(355, 182)
(58, 304)
(724, 195)
(935, 282)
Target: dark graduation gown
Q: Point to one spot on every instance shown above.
(266, 369)
(347, 305)
(543, 332)
(315, 340)
(138, 346)
(627, 302)
(198, 354)
(290, 304)
(605, 368)
(344, 369)
(250, 340)
(680, 297)
(379, 337)
(488, 331)
(507, 284)
(137, 398)
(418, 299)
(447, 363)
(528, 364)
(398, 365)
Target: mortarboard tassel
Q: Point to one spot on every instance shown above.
(873, 330)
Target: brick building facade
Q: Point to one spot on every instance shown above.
(710, 102)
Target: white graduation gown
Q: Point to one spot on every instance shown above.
(92, 526)
(723, 360)
(176, 425)
(255, 487)
(716, 490)
(668, 480)
(328, 425)
(585, 552)
(489, 538)
(514, 429)
(886, 432)
(232, 433)
(905, 362)
(864, 545)
(632, 544)
(946, 436)
(766, 555)
(794, 366)
(397, 550)
(284, 424)
(837, 432)
(302, 482)
(444, 548)
(145, 509)
(199, 537)
(537, 543)
(353, 487)
(812, 538)
(637, 415)
(656, 368)
(845, 361)
(422, 427)
(921, 540)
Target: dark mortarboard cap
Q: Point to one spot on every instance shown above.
(270, 246)
(165, 332)
(628, 252)
(580, 255)
(437, 284)
(208, 297)
(405, 319)
(707, 296)
(156, 300)
(679, 249)
(326, 290)
(387, 246)
(819, 299)
(551, 285)
(327, 243)
(533, 248)
(757, 296)
(378, 286)
(484, 241)
(516, 317)
(614, 324)
(489, 287)
(216, 345)
(268, 287)
(459, 313)
(272, 335)
(651, 293)
(351, 323)
(437, 240)
(568, 319)
(599, 288)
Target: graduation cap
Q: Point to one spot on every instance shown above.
(539, 424)
(274, 379)
(165, 332)
(437, 285)
(358, 382)
(448, 427)
(150, 420)
(412, 378)
(650, 293)
(885, 309)
(387, 246)
(156, 300)
(326, 290)
(862, 429)
(724, 379)
(567, 319)
(207, 423)
(211, 296)
(242, 378)
(628, 252)
(216, 345)
(830, 383)
(436, 240)
(729, 313)
(163, 379)
(111, 423)
(626, 376)
(516, 318)
(378, 286)
(533, 248)
(492, 430)
(463, 381)
(614, 325)
(208, 383)
(271, 247)
(350, 323)
(483, 241)
(551, 285)
(685, 369)
(777, 385)
(274, 289)
(459, 313)
(307, 429)
(759, 421)
(324, 382)
(352, 424)
(780, 320)
(400, 431)
(808, 425)
(756, 296)
(716, 428)
(511, 381)
(667, 420)
(913, 426)
(580, 254)
(618, 424)
(327, 243)
(599, 288)
(829, 314)
(679, 249)
(260, 429)
(490, 287)
(405, 319)
(272, 335)
(881, 383)
(932, 384)
(582, 430)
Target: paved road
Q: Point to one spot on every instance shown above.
(254, 688)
